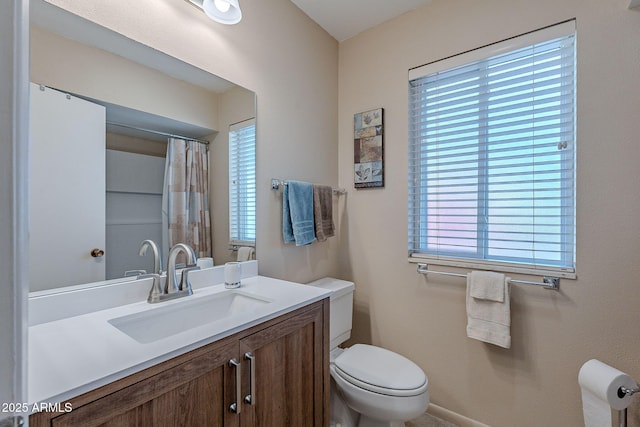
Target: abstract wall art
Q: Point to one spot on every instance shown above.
(368, 164)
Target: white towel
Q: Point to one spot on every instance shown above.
(488, 319)
(487, 285)
(245, 253)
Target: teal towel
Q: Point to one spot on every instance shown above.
(287, 227)
(297, 213)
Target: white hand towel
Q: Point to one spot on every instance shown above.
(245, 253)
(489, 320)
(487, 285)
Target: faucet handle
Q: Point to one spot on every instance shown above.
(130, 273)
(156, 287)
(185, 283)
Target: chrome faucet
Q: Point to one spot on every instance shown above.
(172, 287)
(157, 260)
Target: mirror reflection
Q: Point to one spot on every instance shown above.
(129, 145)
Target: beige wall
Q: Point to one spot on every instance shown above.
(70, 66)
(291, 64)
(132, 144)
(535, 382)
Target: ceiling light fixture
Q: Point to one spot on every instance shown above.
(223, 11)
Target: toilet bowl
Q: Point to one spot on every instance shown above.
(380, 384)
(371, 386)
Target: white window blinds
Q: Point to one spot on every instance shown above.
(492, 155)
(242, 183)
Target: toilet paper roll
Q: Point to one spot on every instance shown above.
(600, 383)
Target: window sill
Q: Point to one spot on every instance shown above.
(235, 245)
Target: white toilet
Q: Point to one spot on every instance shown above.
(370, 386)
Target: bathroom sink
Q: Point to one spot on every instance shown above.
(188, 313)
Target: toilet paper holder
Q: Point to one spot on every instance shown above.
(622, 392)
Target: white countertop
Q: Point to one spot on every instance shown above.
(73, 355)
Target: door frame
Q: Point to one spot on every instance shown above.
(14, 209)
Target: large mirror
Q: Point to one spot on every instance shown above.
(92, 84)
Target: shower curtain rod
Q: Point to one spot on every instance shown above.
(156, 132)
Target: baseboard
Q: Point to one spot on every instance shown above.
(453, 417)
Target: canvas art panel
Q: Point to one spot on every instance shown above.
(368, 166)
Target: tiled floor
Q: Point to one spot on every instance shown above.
(428, 420)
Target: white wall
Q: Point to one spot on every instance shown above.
(14, 110)
(553, 334)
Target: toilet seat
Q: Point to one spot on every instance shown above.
(380, 371)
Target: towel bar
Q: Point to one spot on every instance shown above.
(548, 282)
(277, 183)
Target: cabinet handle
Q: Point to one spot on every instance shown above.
(251, 398)
(235, 406)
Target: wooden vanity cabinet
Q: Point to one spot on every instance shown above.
(284, 380)
(290, 372)
(189, 394)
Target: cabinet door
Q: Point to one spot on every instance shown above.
(195, 393)
(290, 377)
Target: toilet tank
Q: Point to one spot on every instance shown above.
(340, 308)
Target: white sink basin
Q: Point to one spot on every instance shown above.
(186, 313)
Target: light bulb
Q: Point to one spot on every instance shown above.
(223, 11)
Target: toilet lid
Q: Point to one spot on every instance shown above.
(381, 371)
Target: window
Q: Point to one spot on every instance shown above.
(492, 156)
(242, 183)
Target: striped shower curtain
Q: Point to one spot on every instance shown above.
(185, 200)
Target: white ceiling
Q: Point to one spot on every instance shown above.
(344, 19)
